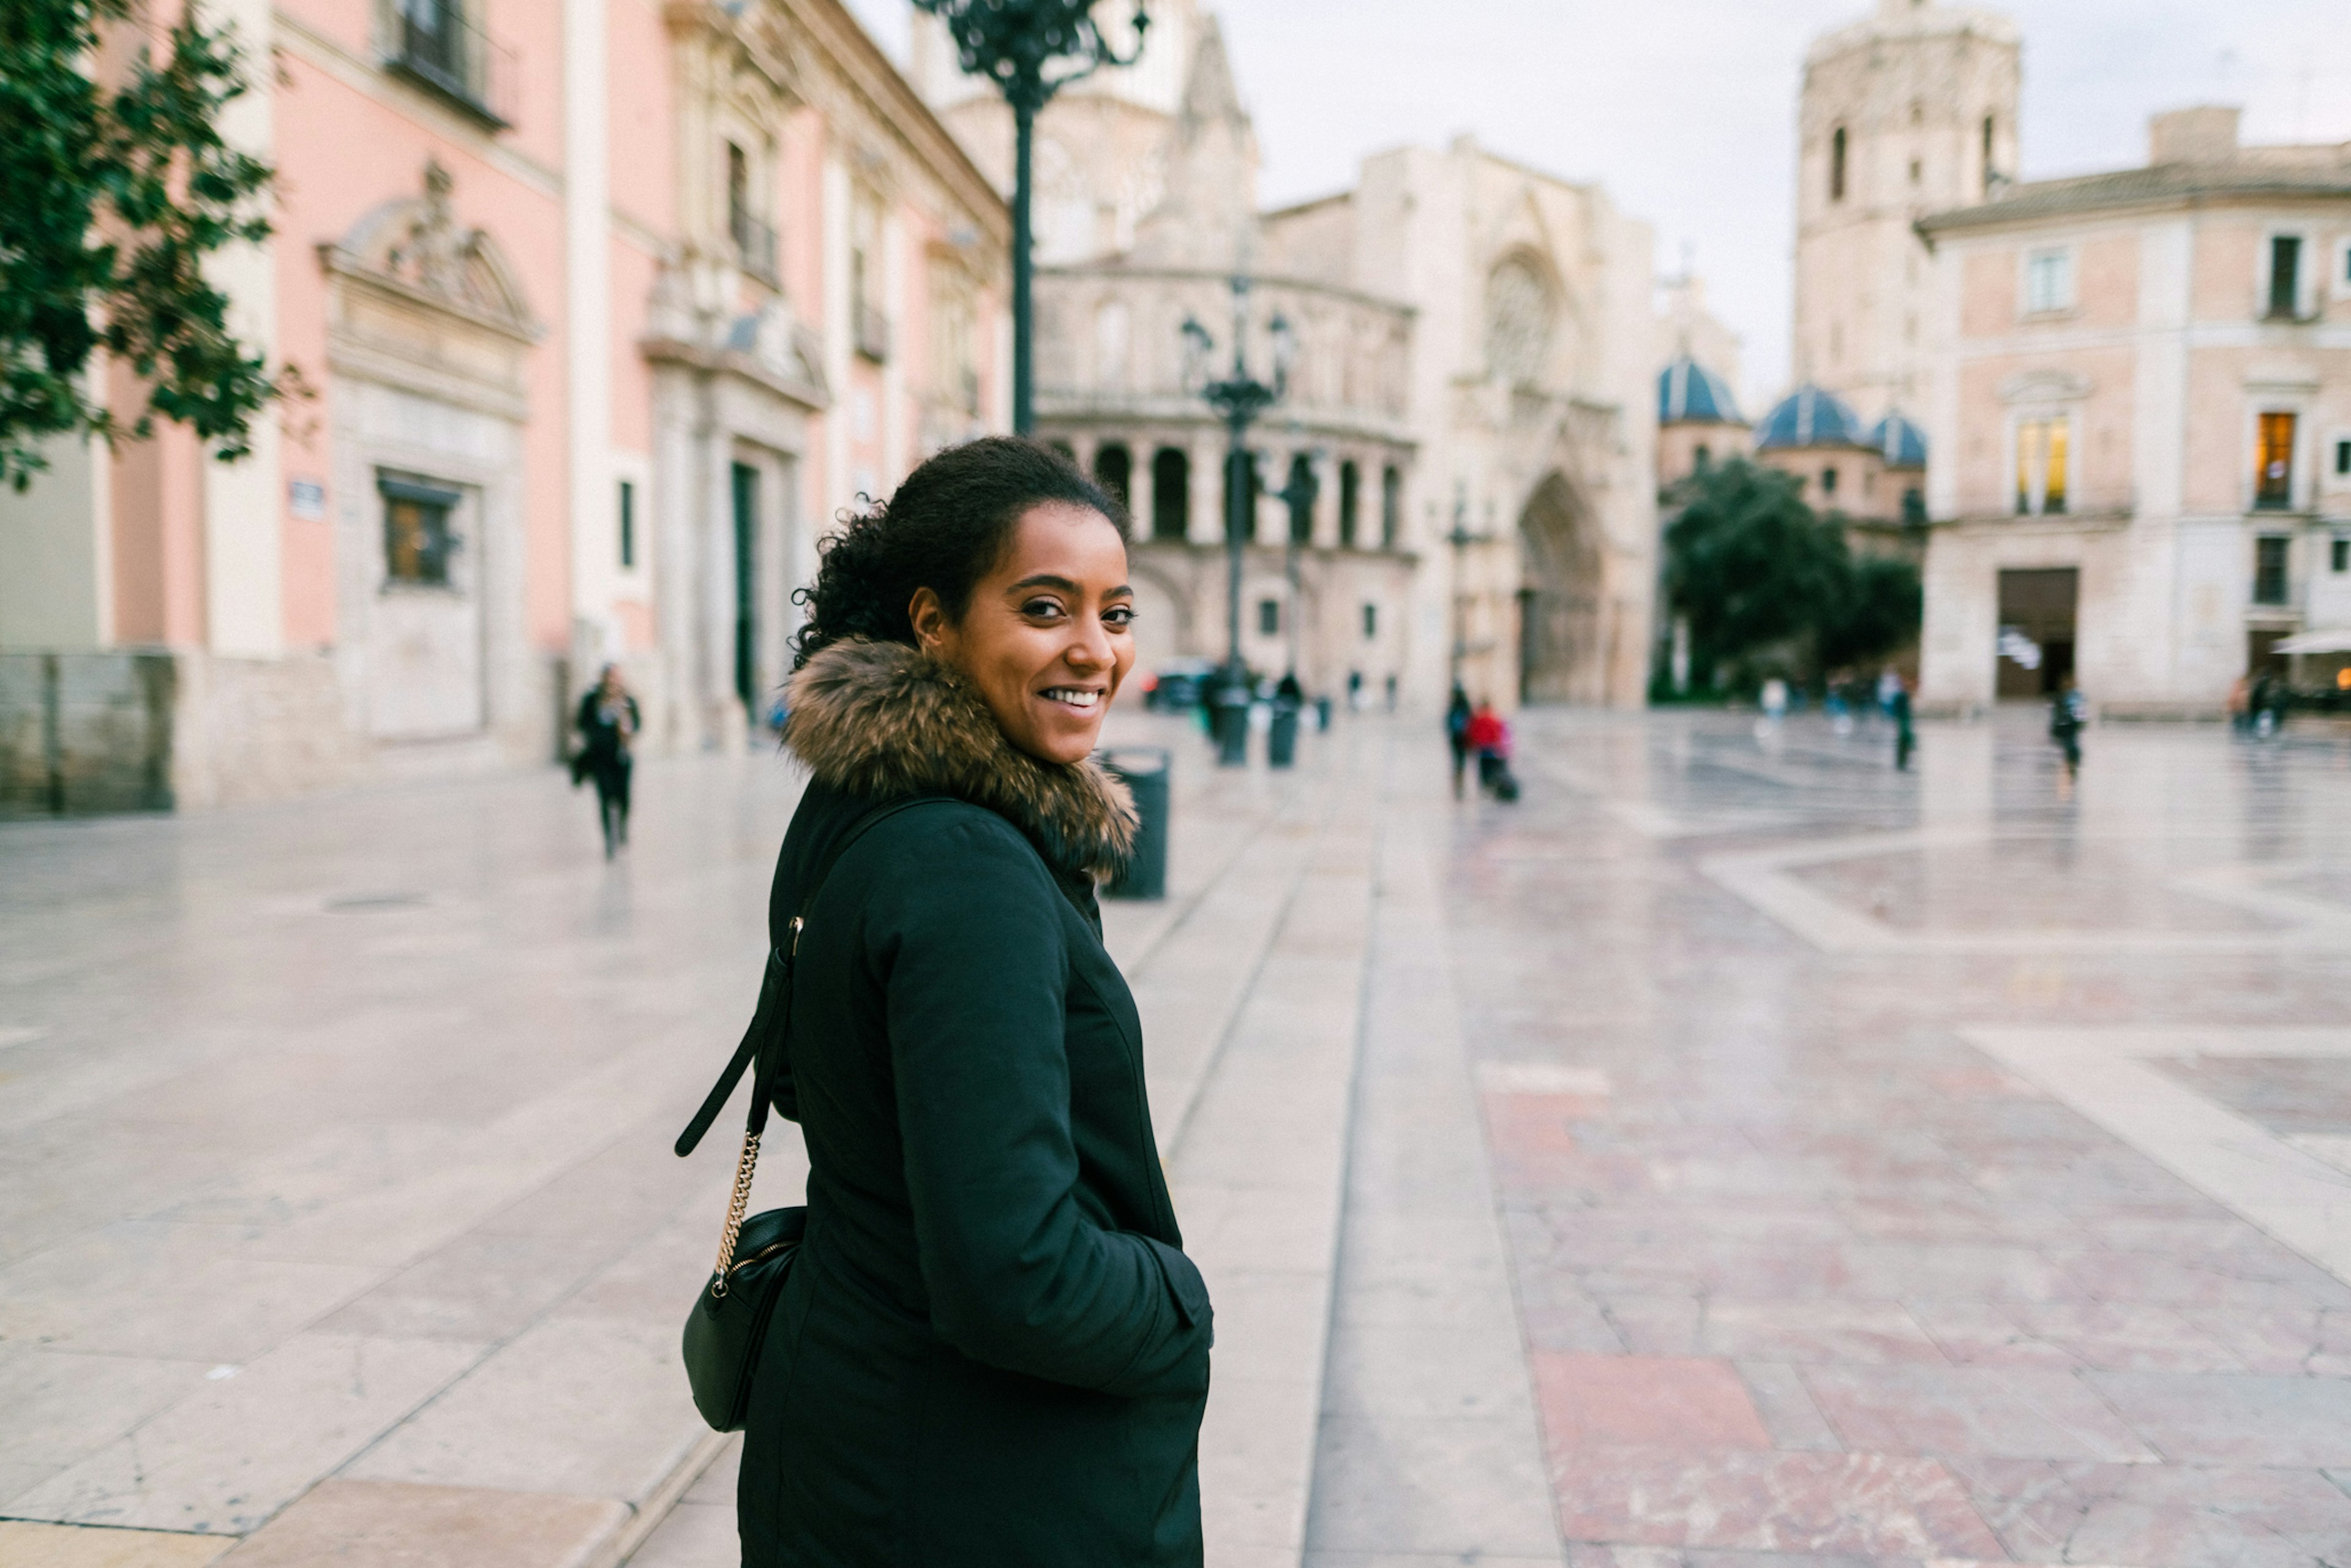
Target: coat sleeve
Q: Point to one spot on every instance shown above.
(1018, 1275)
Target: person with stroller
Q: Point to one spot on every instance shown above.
(1489, 738)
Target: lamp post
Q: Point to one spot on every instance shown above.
(1014, 43)
(1299, 496)
(1238, 398)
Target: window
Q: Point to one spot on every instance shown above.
(436, 43)
(1351, 500)
(2269, 568)
(1917, 170)
(1836, 164)
(1298, 489)
(1115, 469)
(1391, 506)
(2041, 446)
(1988, 173)
(1914, 508)
(2048, 281)
(1171, 494)
(2343, 458)
(2273, 463)
(628, 524)
(2338, 555)
(417, 538)
(1371, 621)
(1701, 459)
(1269, 617)
(1828, 481)
(2285, 277)
(869, 325)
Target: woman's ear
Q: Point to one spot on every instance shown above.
(929, 618)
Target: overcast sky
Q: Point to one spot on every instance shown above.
(1686, 108)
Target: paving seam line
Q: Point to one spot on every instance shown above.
(660, 1504)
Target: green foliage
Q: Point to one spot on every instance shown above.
(111, 200)
(1771, 587)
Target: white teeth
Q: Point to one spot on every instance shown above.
(1072, 695)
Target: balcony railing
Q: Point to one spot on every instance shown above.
(873, 331)
(755, 246)
(437, 44)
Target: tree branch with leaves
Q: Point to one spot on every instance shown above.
(112, 197)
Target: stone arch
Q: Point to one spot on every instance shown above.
(1560, 653)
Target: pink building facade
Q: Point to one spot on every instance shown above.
(609, 309)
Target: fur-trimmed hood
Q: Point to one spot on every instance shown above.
(884, 719)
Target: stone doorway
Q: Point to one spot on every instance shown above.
(2035, 648)
(1558, 598)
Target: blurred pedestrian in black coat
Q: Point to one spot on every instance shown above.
(607, 721)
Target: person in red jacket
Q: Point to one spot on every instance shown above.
(1489, 738)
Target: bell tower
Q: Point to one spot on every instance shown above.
(1908, 111)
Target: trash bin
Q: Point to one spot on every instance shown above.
(1232, 727)
(1144, 769)
(1281, 740)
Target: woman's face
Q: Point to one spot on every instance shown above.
(1048, 637)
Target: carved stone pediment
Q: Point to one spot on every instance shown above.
(418, 301)
(416, 247)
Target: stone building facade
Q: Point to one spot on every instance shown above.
(608, 308)
(1473, 388)
(1910, 110)
(2141, 421)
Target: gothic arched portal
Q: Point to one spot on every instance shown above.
(1559, 598)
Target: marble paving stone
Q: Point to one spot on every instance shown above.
(26, 1545)
(59, 1407)
(588, 1406)
(2236, 1419)
(2164, 1516)
(695, 1535)
(1866, 1505)
(387, 1524)
(1643, 1402)
(223, 1461)
(2010, 1412)
(1787, 1408)
(2110, 1337)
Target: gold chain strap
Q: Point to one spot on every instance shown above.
(741, 1200)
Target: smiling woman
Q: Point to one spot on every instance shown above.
(991, 1348)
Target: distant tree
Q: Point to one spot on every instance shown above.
(1876, 615)
(1753, 569)
(111, 200)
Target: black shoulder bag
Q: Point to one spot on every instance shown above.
(729, 1320)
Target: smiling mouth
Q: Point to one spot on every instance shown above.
(1083, 698)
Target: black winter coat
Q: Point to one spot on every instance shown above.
(991, 1350)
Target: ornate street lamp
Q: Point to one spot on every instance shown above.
(1238, 398)
(1015, 44)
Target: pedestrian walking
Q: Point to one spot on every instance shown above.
(991, 1349)
(1906, 740)
(2069, 715)
(607, 721)
(1456, 734)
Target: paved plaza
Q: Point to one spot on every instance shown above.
(1736, 1155)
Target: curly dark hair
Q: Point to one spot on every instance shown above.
(945, 529)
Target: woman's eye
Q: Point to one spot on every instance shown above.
(1042, 609)
(1118, 615)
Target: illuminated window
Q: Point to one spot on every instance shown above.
(2273, 463)
(417, 538)
(2041, 448)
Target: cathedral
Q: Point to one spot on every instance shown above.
(1469, 390)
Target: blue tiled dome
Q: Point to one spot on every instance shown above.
(1809, 417)
(1689, 393)
(1900, 441)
